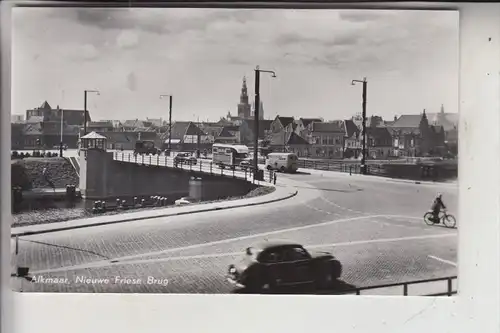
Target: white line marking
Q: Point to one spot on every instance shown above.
(225, 241)
(381, 240)
(317, 209)
(231, 254)
(341, 207)
(230, 240)
(444, 260)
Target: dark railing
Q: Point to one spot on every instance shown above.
(449, 287)
(200, 166)
(333, 165)
(406, 169)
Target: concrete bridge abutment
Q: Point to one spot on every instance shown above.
(102, 177)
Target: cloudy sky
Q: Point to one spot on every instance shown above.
(131, 56)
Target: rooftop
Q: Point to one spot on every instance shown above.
(408, 121)
(330, 127)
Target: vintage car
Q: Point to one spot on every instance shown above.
(184, 158)
(246, 164)
(270, 265)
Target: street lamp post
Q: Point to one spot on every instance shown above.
(169, 121)
(85, 108)
(198, 139)
(256, 116)
(363, 157)
(62, 128)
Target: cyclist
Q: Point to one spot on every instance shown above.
(436, 207)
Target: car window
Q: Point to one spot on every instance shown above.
(271, 256)
(295, 253)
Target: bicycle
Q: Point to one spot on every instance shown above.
(446, 219)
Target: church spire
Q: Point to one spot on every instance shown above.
(244, 92)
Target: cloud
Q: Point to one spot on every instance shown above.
(127, 39)
(360, 16)
(346, 39)
(239, 61)
(164, 21)
(85, 52)
(132, 81)
(292, 38)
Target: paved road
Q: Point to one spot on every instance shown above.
(373, 226)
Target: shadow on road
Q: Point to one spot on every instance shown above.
(353, 190)
(338, 287)
(442, 226)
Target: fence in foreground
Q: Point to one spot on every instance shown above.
(403, 288)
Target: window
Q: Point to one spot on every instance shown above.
(325, 140)
(270, 256)
(330, 140)
(295, 253)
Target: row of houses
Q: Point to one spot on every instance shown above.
(404, 136)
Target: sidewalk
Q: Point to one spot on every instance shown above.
(375, 178)
(281, 193)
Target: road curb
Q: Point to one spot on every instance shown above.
(56, 229)
(381, 178)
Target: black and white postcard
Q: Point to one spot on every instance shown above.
(245, 151)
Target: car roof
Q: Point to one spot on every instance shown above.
(269, 244)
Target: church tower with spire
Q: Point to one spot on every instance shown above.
(244, 108)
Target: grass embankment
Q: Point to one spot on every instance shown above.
(28, 173)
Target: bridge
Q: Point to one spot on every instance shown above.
(202, 166)
(105, 175)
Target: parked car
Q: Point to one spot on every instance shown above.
(59, 147)
(185, 201)
(246, 164)
(185, 158)
(270, 265)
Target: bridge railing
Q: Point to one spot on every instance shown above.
(404, 287)
(201, 166)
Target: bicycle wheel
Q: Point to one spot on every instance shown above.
(428, 218)
(449, 220)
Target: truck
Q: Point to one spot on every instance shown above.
(145, 147)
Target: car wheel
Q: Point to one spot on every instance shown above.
(268, 167)
(336, 269)
(282, 169)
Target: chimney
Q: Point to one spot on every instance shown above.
(395, 118)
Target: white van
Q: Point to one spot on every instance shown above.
(284, 162)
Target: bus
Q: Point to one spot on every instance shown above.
(228, 155)
(284, 162)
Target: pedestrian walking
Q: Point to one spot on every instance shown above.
(274, 174)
